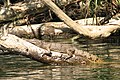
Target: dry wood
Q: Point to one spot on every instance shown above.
(38, 7)
(34, 31)
(95, 30)
(57, 28)
(77, 27)
(93, 33)
(72, 56)
(65, 48)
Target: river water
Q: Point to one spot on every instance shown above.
(16, 67)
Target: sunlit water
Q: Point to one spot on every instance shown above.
(16, 67)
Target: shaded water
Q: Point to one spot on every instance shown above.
(16, 67)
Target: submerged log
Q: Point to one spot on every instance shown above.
(18, 46)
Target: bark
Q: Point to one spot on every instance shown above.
(59, 28)
(77, 27)
(73, 56)
(65, 48)
(38, 7)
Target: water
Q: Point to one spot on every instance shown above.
(16, 67)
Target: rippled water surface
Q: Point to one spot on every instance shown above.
(16, 67)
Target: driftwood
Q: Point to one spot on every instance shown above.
(57, 28)
(13, 13)
(49, 53)
(77, 27)
(68, 56)
(34, 31)
(65, 48)
(36, 7)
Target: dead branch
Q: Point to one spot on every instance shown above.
(77, 27)
(57, 28)
(38, 7)
(18, 46)
(93, 33)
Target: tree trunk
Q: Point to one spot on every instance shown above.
(59, 28)
(72, 56)
(77, 27)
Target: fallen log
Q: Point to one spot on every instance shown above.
(38, 7)
(57, 28)
(65, 48)
(75, 26)
(34, 31)
(16, 45)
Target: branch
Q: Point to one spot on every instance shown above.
(57, 28)
(18, 46)
(92, 33)
(77, 27)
